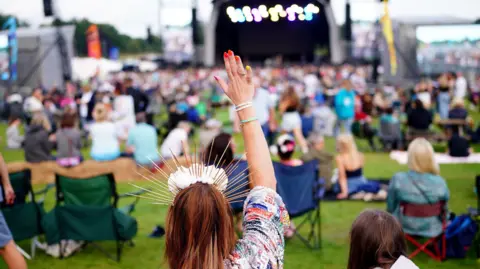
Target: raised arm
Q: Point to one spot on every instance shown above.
(240, 90)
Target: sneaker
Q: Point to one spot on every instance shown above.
(380, 196)
(53, 250)
(358, 196)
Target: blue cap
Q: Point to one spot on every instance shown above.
(319, 99)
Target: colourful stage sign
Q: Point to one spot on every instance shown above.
(12, 49)
(389, 37)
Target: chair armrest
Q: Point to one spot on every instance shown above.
(130, 194)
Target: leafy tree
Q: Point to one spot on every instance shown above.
(20, 23)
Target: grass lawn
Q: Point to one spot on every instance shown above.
(337, 218)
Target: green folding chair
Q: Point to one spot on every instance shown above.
(24, 216)
(86, 210)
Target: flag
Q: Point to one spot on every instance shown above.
(389, 37)
(11, 24)
(94, 47)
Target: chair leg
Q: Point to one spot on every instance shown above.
(33, 246)
(119, 250)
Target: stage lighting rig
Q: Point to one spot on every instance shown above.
(274, 12)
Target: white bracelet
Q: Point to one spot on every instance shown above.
(244, 104)
(243, 107)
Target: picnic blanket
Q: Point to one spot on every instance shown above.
(123, 169)
(332, 196)
(441, 158)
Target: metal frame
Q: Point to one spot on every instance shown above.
(314, 238)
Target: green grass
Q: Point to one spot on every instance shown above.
(337, 218)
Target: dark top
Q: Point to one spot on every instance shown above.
(458, 146)
(419, 119)
(140, 99)
(354, 173)
(458, 113)
(37, 146)
(443, 89)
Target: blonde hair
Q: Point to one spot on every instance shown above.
(457, 102)
(421, 158)
(100, 113)
(41, 120)
(346, 144)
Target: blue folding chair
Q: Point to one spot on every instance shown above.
(239, 175)
(296, 186)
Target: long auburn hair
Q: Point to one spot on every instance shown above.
(290, 98)
(376, 240)
(199, 230)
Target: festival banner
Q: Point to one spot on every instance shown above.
(389, 38)
(93, 42)
(11, 24)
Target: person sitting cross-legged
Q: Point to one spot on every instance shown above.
(142, 142)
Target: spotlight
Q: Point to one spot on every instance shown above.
(315, 10)
(258, 19)
(246, 10)
(255, 11)
(279, 7)
(309, 7)
(290, 18)
(230, 10)
(283, 14)
(262, 8)
(274, 18)
(301, 17)
(241, 19)
(249, 18)
(299, 10)
(272, 11)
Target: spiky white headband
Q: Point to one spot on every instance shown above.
(164, 190)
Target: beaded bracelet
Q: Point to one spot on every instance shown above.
(243, 122)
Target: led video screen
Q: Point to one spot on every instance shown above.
(443, 48)
(4, 58)
(363, 40)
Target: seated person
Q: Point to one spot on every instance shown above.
(350, 164)
(419, 118)
(69, 141)
(176, 142)
(362, 127)
(105, 143)
(14, 139)
(285, 149)
(458, 112)
(175, 116)
(422, 184)
(390, 130)
(387, 251)
(458, 146)
(142, 142)
(317, 151)
(210, 130)
(38, 143)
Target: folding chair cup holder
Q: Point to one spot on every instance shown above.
(423, 211)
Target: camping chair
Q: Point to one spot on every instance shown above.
(239, 186)
(390, 133)
(87, 210)
(296, 187)
(24, 217)
(425, 211)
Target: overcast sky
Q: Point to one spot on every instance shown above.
(133, 16)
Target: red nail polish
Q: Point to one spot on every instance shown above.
(225, 55)
(230, 53)
(216, 78)
(237, 58)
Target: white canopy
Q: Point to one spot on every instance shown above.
(85, 68)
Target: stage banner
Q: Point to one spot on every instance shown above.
(389, 38)
(11, 24)
(114, 53)
(93, 42)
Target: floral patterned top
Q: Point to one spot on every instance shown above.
(262, 245)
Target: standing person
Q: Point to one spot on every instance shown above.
(200, 229)
(8, 248)
(140, 99)
(377, 241)
(33, 104)
(345, 108)
(291, 121)
(443, 99)
(123, 112)
(461, 87)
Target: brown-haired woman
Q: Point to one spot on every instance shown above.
(377, 241)
(291, 121)
(199, 228)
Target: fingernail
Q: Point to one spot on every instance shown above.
(216, 78)
(225, 55)
(237, 58)
(248, 67)
(230, 53)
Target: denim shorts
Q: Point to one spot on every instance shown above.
(5, 234)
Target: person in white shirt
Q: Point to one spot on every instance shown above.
(377, 241)
(105, 144)
(34, 102)
(312, 84)
(460, 86)
(123, 112)
(176, 142)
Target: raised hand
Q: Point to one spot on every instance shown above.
(240, 87)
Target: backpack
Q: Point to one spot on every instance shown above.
(460, 235)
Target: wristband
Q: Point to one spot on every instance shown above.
(244, 104)
(240, 108)
(243, 122)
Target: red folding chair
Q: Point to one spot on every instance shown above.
(425, 211)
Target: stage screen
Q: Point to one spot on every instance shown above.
(178, 44)
(443, 48)
(363, 40)
(4, 58)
